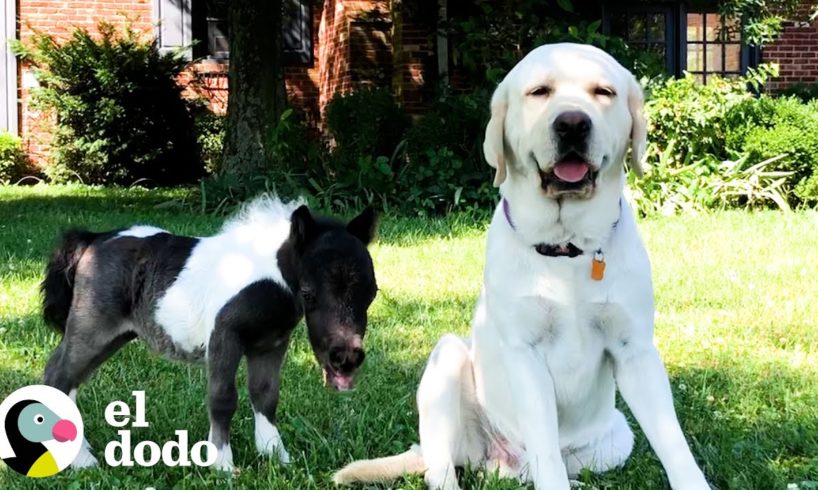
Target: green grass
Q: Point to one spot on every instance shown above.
(736, 325)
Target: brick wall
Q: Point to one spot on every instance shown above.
(796, 51)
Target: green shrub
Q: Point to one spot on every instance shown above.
(14, 164)
(684, 110)
(768, 127)
(366, 127)
(444, 166)
(120, 114)
(804, 91)
(209, 130)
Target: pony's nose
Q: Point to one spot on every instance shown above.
(346, 360)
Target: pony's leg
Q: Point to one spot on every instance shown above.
(263, 380)
(223, 356)
(86, 344)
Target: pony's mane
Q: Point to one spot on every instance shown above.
(266, 211)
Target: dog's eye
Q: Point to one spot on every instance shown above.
(604, 92)
(542, 91)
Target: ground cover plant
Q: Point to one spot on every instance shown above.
(735, 325)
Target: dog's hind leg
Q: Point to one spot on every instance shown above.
(263, 375)
(223, 356)
(85, 346)
(450, 432)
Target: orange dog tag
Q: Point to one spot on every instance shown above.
(598, 266)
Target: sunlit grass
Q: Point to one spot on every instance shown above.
(736, 325)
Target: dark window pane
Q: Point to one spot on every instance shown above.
(656, 30)
(637, 31)
(619, 24)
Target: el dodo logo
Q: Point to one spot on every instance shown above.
(40, 431)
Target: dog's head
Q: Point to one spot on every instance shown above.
(567, 112)
(337, 285)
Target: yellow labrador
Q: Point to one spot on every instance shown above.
(566, 312)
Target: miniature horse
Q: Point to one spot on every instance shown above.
(215, 299)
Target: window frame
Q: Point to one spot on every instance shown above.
(676, 30)
(301, 56)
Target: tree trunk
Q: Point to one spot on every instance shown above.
(256, 96)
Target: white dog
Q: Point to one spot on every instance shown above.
(566, 312)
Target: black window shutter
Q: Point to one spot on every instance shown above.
(296, 26)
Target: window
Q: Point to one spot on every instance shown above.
(712, 47)
(693, 41)
(204, 22)
(646, 28)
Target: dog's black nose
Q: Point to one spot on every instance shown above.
(574, 125)
(345, 360)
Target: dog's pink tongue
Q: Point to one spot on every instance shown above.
(571, 170)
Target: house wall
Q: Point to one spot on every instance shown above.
(796, 51)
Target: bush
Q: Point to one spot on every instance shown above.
(209, 130)
(771, 127)
(444, 166)
(366, 127)
(120, 113)
(14, 164)
(804, 91)
(695, 115)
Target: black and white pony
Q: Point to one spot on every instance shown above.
(215, 299)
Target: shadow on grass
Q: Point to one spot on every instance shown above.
(32, 218)
(759, 430)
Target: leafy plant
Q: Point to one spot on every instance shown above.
(767, 127)
(119, 111)
(13, 161)
(489, 37)
(736, 183)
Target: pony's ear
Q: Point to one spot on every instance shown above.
(302, 228)
(364, 226)
(639, 129)
(494, 142)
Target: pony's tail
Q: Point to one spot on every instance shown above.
(58, 285)
(382, 470)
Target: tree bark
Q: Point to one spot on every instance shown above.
(256, 96)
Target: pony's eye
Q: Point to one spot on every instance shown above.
(604, 92)
(541, 91)
(39, 419)
(308, 296)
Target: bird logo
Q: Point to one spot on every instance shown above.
(41, 431)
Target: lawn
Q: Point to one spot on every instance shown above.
(736, 325)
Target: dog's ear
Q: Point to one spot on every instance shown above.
(639, 128)
(494, 144)
(302, 228)
(364, 226)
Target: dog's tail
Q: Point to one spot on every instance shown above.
(58, 285)
(382, 470)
